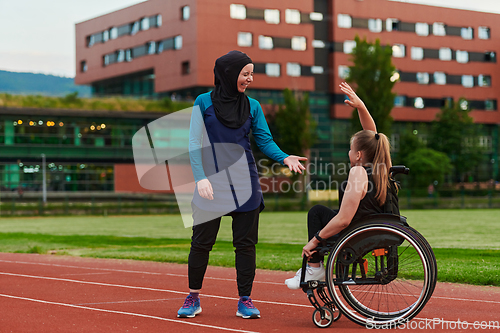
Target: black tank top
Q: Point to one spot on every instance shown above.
(368, 205)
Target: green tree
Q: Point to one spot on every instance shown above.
(455, 134)
(427, 165)
(375, 76)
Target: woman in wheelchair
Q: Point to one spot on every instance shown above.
(362, 194)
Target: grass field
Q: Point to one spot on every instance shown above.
(466, 242)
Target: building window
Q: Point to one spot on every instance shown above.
(489, 105)
(422, 29)
(105, 60)
(293, 69)
(245, 39)
(467, 33)
(120, 56)
(90, 40)
(314, 16)
(185, 68)
(439, 78)
(398, 51)
(343, 72)
(439, 29)
(292, 16)
(468, 81)
(185, 13)
(417, 53)
(299, 43)
(145, 23)
(375, 25)
(418, 103)
(272, 16)
(105, 36)
(484, 80)
(423, 78)
(273, 70)
(344, 21)
(483, 33)
(445, 54)
(490, 57)
(464, 104)
(462, 57)
(318, 44)
(83, 66)
(128, 55)
(151, 47)
(349, 45)
(392, 24)
(113, 33)
(317, 70)
(159, 20)
(135, 28)
(265, 42)
(238, 12)
(400, 101)
(178, 42)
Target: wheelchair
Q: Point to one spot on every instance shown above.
(380, 272)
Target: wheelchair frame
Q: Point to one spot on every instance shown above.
(369, 261)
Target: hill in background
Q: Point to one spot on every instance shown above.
(39, 84)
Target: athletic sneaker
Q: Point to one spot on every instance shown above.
(246, 309)
(312, 273)
(190, 308)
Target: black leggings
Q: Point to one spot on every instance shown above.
(245, 236)
(317, 218)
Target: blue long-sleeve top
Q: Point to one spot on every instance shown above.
(259, 127)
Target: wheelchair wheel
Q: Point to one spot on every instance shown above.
(323, 317)
(382, 273)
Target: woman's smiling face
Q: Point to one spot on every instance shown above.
(245, 78)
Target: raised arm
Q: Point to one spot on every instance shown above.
(364, 115)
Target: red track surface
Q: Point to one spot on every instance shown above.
(41, 293)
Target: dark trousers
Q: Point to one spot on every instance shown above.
(245, 236)
(317, 218)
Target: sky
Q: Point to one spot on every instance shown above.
(38, 36)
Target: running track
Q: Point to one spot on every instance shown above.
(43, 293)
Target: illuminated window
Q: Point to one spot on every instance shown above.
(272, 16)
(317, 70)
(273, 70)
(151, 47)
(398, 51)
(419, 103)
(439, 29)
(344, 21)
(265, 43)
(468, 81)
(120, 56)
(422, 29)
(185, 13)
(245, 39)
(343, 71)
(423, 78)
(145, 23)
(318, 44)
(105, 35)
(483, 33)
(417, 53)
(135, 28)
(158, 20)
(299, 43)
(292, 16)
(445, 54)
(316, 16)
(293, 69)
(439, 78)
(467, 33)
(178, 42)
(238, 12)
(349, 45)
(375, 25)
(462, 57)
(392, 24)
(113, 33)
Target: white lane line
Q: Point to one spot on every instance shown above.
(139, 301)
(126, 313)
(128, 271)
(79, 274)
(145, 288)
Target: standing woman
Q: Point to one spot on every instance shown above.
(228, 116)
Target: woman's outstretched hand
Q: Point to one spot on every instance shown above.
(205, 189)
(293, 163)
(353, 100)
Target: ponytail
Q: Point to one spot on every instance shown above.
(377, 150)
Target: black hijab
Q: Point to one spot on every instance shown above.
(232, 108)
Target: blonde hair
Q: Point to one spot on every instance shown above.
(377, 152)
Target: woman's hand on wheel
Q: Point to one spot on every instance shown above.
(205, 189)
(293, 163)
(353, 100)
(310, 247)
